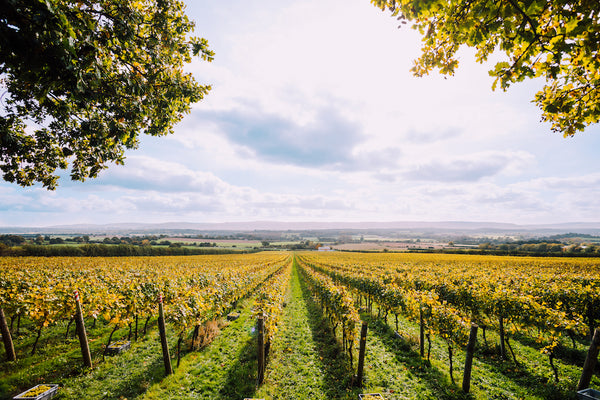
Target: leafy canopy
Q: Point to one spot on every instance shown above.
(80, 80)
(555, 39)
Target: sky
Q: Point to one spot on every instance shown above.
(314, 115)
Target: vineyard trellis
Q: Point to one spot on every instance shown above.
(120, 291)
(453, 297)
(445, 294)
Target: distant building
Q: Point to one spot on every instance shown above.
(324, 248)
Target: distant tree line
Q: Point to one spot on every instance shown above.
(544, 248)
(151, 241)
(12, 240)
(83, 246)
(104, 250)
(511, 249)
(18, 240)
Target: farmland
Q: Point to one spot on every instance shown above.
(534, 315)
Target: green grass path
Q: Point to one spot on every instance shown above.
(296, 368)
(226, 369)
(305, 362)
(394, 369)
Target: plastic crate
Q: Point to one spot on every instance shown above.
(370, 396)
(233, 316)
(588, 394)
(48, 394)
(117, 347)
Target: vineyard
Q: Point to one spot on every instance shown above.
(309, 325)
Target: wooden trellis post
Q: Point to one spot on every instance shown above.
(261, 350)
(7, 338)
(361, 354)
(81, 333)
(590, 362)
(466, 385)
(163, 336)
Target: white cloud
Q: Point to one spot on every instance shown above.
(470, 167)
(148, 173)
(314, 115)
(570, 183)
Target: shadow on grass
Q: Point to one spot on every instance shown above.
(534, 384)
(338, 373)
(134, 381)
(543, 386)
(566, 354)
(422, 369)
(58, 357)
(241, 375)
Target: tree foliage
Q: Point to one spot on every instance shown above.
(81, 80)
(558, 40)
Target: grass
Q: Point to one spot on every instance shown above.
(226, 369)
(125, 375)
(58, 357)
(305, 362)
(492, 377)
(395, 368)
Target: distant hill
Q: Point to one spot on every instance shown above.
(454, 227)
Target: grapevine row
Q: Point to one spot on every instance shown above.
(338, 304)
(447, 298)
(195, 289)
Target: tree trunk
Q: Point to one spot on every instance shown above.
(179, 349)
(590, 318)
(69, 327)
(483, 328)
(551, 356)
(195, 336)
(146, 324)
(450, 357)
(511, 350)
(109, 340)
(428, 345)
(422, 335)
(36, 340)
(572, 336)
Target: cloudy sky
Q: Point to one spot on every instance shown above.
(315, 116)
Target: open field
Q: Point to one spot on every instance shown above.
(223, 242)
(309, 354)
(390, 245)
